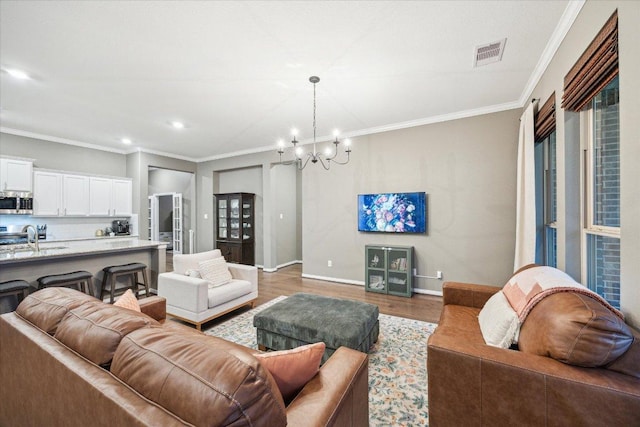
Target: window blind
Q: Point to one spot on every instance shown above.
(545, 121)
(597, 66)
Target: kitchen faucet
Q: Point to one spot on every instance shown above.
(36, 245)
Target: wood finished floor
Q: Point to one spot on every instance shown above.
(289, 280)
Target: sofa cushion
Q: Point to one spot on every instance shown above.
(95, 330)
(202, 379)
(234, 289)
(498, 322)
(575, 329)
(629, 362)
(46, 308)
(184, 262)
(215, 271)
(128, 301)
(292, 369)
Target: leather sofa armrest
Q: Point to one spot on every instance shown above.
(467, 294)
(337, 395)
(154, 307)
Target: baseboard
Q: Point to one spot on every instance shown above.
(360, 283)
(333, 279)
(427, 292)
(279, 266)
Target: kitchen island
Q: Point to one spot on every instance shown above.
(89, 255)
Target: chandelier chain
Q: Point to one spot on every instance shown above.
(314, 114)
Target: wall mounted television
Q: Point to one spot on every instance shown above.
(393, 212)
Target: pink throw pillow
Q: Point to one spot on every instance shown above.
(292, 369)
(129, 301)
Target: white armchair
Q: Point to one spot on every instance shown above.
(193, 300)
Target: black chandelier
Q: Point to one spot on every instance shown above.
(300, 158)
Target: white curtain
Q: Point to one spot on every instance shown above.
(526, 192)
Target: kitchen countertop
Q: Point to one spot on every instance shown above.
(66, 249)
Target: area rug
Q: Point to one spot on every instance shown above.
(397, 365)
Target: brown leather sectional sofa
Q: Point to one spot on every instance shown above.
(473, 384)
(67, 359)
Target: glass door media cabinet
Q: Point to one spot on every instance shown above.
(389, 269)
(235, 227)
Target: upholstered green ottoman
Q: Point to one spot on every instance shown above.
(305, 318)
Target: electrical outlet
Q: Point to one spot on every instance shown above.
(439, 274)
(415, 271)
(329, 263)
(206, 216)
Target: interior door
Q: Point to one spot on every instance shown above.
(177, 223)
(154, 233)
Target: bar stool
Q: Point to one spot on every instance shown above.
(79, 279)
(19, 288)
(130, 271)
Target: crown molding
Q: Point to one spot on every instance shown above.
(164, 154)
(564, 25)
(384, 128)
(59, 140)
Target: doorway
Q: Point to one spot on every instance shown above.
(165, 220)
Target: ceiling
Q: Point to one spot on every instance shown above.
(236, 72)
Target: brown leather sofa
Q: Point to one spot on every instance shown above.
(67, 359)
(473, 384)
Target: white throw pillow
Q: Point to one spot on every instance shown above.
(215, 271)
(499, 322)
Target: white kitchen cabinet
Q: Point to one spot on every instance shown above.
(110, 197)
(16, 175)
(47, 193)
(75, 195)
(122, 197)
(100, 196)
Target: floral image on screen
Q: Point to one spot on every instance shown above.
(392, 212)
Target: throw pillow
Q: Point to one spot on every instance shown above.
(129, 301)
(292, 369)
(498, 322)
(215, 271)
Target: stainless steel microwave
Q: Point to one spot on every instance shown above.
(16, 203)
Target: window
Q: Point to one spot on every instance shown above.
(546, 201)
(602, 194)
(550, 205)
(546, 188)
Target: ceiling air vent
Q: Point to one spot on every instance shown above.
(488, 53)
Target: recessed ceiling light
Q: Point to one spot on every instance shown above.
(18, 74)
(177, 125)
(126, 141)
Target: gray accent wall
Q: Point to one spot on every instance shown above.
(467, 169)
(589, 21)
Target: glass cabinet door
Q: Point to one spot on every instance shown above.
(398, 264)
(222, 218)
(247, 219)
(376, 280)
(234, 218)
